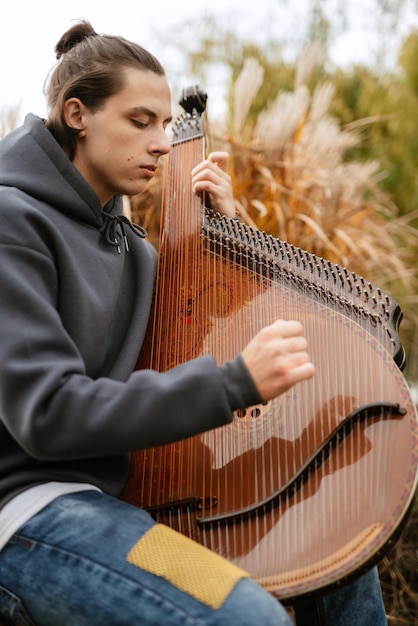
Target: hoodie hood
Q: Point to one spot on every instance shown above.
(33, 161)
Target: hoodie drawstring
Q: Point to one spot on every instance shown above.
(115, 236)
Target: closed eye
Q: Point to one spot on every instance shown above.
(139, 124)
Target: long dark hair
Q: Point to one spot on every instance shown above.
(90, 68)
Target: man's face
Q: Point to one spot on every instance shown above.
(119, 145)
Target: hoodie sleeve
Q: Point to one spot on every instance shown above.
(55, 411)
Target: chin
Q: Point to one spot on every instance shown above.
(129, 192)
(137, 188)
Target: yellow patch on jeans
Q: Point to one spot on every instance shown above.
(187, 565)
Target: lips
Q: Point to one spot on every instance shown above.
(148, 170)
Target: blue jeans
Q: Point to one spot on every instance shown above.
(358, 604)
(68, 566)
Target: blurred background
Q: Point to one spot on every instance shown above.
(317, 103)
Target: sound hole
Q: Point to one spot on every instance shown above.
(251, 412)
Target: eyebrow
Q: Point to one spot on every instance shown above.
(145, 111)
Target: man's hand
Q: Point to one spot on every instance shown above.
(277, 358)
(211, 176)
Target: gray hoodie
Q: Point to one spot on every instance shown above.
(73, 316)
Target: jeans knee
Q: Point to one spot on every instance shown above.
(249, 604)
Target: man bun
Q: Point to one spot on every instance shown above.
(73, 36)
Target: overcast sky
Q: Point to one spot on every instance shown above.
(29, 30)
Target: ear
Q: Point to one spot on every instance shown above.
(74, 115)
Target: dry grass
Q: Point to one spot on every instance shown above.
(399, 577)
(8, 119)
(291, 179)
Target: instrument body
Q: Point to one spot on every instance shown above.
(308, 490)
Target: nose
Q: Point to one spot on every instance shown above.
(160, 144)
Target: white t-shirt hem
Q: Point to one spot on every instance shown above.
(25, 505)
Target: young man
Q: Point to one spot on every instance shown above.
(76, 284)
(74, 307)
